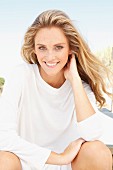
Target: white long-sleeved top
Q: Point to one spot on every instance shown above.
(36, 118)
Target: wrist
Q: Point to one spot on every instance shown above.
(76, 80)
(56, 159)
(64, 158)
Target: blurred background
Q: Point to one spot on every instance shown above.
(94, 20)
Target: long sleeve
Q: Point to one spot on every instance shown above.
(90, 129)
(33, 154)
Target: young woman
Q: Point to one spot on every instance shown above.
(48, 114)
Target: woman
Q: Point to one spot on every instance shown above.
(49, 120)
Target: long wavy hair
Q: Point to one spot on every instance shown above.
(91, 69)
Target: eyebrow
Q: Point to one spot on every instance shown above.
(54, 44)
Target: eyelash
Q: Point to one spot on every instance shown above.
(42, 48)
(57, 48)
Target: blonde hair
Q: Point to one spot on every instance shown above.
(90, 69)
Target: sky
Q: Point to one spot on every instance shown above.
(93, 19)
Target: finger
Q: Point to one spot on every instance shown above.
(73, 55)
(73, 58)
(81, 140)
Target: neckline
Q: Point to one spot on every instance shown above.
(63, 88)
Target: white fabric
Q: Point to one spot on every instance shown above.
(36, 118)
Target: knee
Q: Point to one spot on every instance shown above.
(9, 161)
(96, 153)
(96, 150)
(93, 155)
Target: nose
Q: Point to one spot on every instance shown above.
(50, 55)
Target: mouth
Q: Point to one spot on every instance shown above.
(51, 65)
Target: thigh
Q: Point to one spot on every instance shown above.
(93, 155)
(9, 161)
(57, 167)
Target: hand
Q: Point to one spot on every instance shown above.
(70, 70)
(72, 150)
(67, 156)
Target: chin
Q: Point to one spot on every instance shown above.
(52, 73)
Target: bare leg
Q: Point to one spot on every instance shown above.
(93, 156)
(9, 161)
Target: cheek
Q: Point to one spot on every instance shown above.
(65, 57)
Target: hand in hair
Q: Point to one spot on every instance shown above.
(70, 70)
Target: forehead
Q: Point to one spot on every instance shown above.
(53, 34)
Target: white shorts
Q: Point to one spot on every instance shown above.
(25, 166)
(57, 167)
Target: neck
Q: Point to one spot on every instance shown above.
(55, 81)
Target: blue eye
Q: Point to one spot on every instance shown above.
(59, 47)
(42, 48)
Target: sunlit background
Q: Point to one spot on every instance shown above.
(94, 20)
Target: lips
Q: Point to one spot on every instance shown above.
(51, 65)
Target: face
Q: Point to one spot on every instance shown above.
(52, 50)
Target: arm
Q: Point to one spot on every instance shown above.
(83, 106)
(88, 119)
(33, 154)
(68, 155)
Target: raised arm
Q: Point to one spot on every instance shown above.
(88, 120)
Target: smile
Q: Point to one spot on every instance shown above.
(52, 65)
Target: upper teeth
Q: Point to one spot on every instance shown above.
(51, 64)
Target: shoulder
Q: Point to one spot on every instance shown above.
(20, 71)
(16, 79)
(18, 76)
